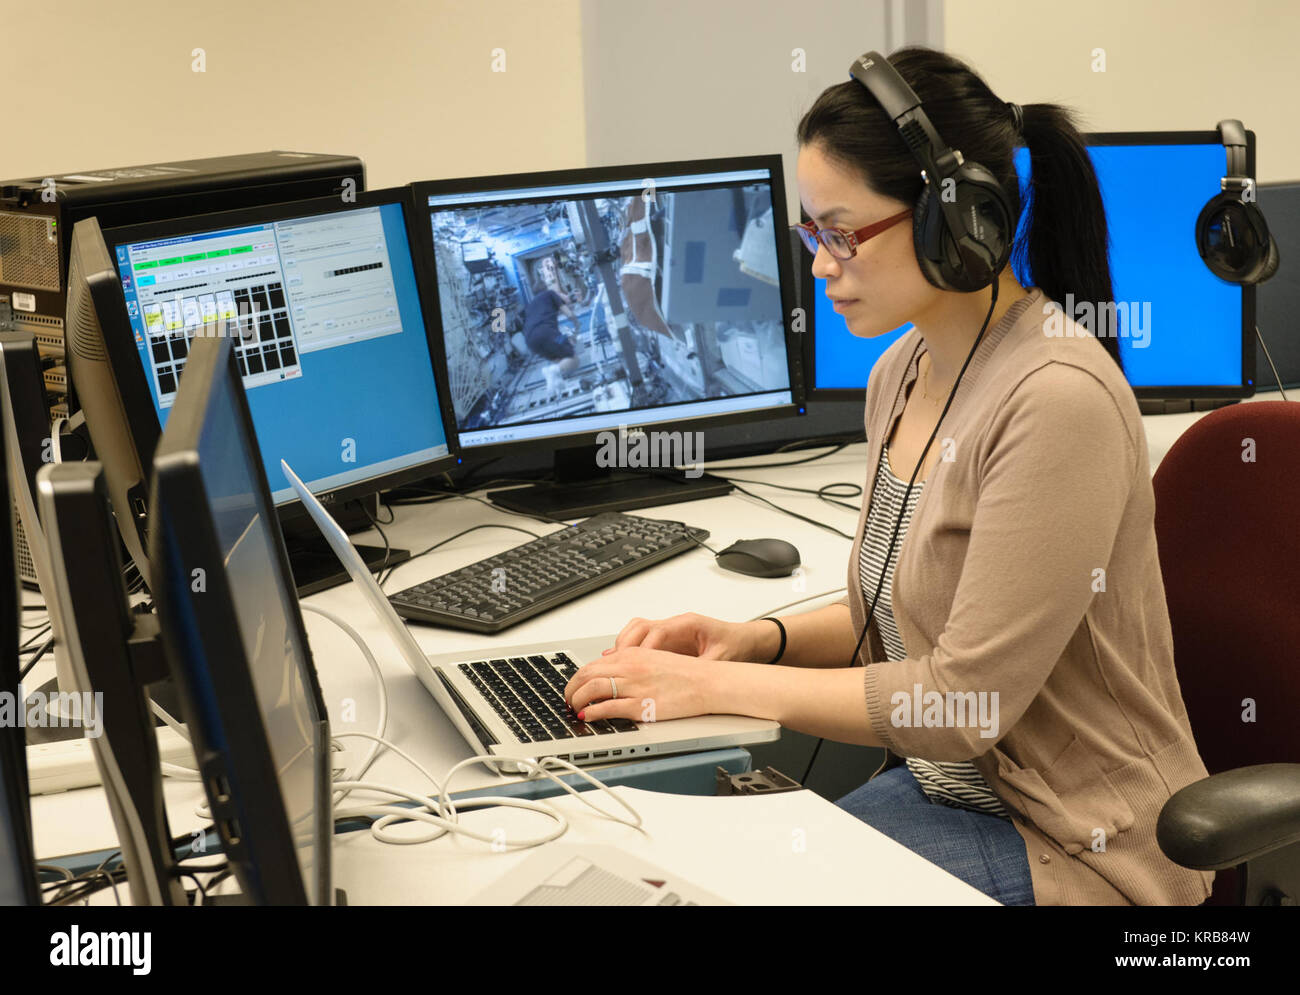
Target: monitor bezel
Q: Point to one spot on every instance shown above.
(1285, 276)
(422, 190)
(138, 404)
(13, 743)
(807, 288)
(125, 434)
(245, 758)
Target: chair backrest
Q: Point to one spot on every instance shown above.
(1227, 496)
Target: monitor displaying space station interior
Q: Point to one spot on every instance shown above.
(574, 302)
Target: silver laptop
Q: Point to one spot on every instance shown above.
(510, 703)
(591, 874)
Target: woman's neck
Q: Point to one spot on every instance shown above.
(948, 329)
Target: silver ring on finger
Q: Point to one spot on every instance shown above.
(613, 688)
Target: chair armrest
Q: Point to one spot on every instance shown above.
(1229, 818)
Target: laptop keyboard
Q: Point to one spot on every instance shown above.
(527, 692)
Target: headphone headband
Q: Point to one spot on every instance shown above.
(903, 106)
(1232, 133)
(962, 227)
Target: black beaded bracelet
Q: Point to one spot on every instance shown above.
(781, 651)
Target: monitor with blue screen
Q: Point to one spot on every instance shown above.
(1183, 332)
(324, 301)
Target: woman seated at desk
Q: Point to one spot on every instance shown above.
(1005, 597)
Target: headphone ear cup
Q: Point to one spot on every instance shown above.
(1270, 262)
(927, 240)
(981, 196)
(946, 261)
(1233, 239)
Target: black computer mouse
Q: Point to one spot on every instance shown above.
(760, 557)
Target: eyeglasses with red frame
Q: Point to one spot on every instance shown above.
(841, 242)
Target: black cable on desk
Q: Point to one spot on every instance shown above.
(486, 525)
(795, 514)
(383, 535)
(820, 492)
(811, 760)
(835, 448)
(40, 632)
(27, 667)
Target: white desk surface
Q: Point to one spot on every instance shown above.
(792, 848)
(77, 821)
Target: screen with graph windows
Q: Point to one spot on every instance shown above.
(329, 329)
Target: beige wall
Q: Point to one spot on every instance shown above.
(407, 86)
(1171, 65)
(689, 79)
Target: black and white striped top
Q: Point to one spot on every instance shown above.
(958, 784)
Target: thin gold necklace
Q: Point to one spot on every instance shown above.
(925, 387)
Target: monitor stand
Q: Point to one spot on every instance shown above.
(582, 488)
(316, 567)
(1180, 405)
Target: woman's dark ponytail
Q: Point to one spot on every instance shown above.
(1062, 245)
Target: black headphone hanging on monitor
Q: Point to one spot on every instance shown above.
(962, 227)
(1231, 234)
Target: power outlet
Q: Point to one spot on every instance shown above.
(70, 764)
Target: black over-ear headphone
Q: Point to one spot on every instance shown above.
(962, 226)
(1231, 234)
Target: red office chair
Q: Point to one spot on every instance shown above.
(1229, 541)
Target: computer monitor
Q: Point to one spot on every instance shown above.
(28, 442)
(17, 863)
(1277, 301)
(235, 641)
(325, 300)
(22, 394)
(98, 337)
(578, 304)
(1183, 332)
(114, 659)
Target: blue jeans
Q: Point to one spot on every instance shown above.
(985, 851)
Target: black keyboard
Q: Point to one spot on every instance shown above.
(502, 590)
(528, 694)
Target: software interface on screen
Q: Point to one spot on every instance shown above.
(331, 338)
(265, 607)
(1179, 324)
(580, 307)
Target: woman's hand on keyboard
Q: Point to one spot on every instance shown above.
(697, 635)
(651, 685)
